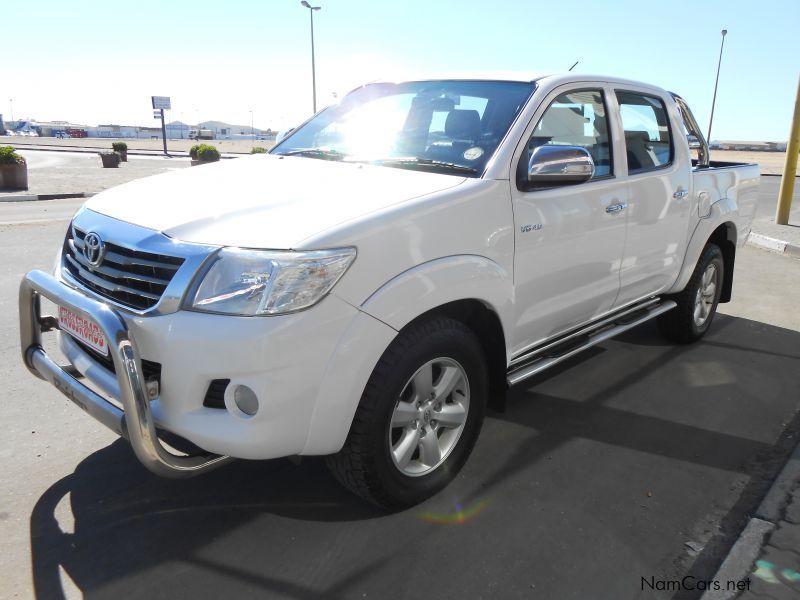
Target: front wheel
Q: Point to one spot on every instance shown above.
(419, 416)
(697, 303)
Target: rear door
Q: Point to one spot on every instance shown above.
(568, 239)
(659, 181)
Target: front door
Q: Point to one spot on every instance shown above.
(569, 239)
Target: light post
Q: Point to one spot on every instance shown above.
(252, 131)
(714, 101)
(11, 105)
(311, 10)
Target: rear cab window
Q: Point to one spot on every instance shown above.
(648, 138)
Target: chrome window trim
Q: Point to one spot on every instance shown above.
(703, 154)
(136, 237)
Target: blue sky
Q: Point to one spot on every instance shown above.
(96, 61)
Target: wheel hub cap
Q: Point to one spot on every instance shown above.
(706, 295)
(429, 417)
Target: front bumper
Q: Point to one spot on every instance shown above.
(308, 370)
(135, 421)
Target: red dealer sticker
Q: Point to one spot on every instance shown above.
(83, 329)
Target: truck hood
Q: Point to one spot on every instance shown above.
(262, 201)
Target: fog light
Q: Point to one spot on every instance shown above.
(245, 399)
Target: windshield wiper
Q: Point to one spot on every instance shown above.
(425, 163)
(323, 153)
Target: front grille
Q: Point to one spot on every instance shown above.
(130, 277)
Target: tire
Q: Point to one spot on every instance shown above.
(697, 303)
(389, 457)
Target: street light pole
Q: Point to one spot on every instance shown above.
(311, 10)
(11, 105)
(714, 101)
(252, 132)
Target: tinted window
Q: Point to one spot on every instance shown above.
(648, 142)
(577, 119)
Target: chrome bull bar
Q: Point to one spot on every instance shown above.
(135, 422)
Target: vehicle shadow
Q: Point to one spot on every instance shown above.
(281, 529)
(116, 504)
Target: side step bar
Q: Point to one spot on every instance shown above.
(542, 358)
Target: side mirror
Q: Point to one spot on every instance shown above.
(560, 165)
(694, 143)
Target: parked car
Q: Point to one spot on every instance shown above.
(416, 249)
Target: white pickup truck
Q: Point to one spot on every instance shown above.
(370, 286)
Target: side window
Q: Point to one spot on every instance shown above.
(648, 141)
(577, 118)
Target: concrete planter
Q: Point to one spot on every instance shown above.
(123, 155)
(110, 160)
(14, 177)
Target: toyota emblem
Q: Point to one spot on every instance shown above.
(93, 249)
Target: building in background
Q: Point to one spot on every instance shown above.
(176, 130)
(748, 146)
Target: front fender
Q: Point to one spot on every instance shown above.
(384, 313)
(441, 281)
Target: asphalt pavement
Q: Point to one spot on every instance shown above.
(636, 463)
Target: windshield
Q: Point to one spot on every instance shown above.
(444, 126)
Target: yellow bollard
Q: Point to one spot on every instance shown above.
(790, 167)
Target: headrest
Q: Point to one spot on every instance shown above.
(641, 137)
(463, 125)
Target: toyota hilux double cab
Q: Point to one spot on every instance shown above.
(366, 289)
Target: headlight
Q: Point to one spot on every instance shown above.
(260, 282)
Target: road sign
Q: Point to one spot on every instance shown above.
(161, 102)
(159, 114)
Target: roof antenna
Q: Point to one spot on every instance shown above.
(573, 66)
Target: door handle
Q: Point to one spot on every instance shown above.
(680, 194)
(615, 208)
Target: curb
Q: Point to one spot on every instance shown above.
(95, 150)
(740, 560)
(37, 197)
(772, 244)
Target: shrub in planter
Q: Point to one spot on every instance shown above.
(207, 153)
(13, 170)
(110, 159)
(203, 153)
(258, 150)
(121, 148)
